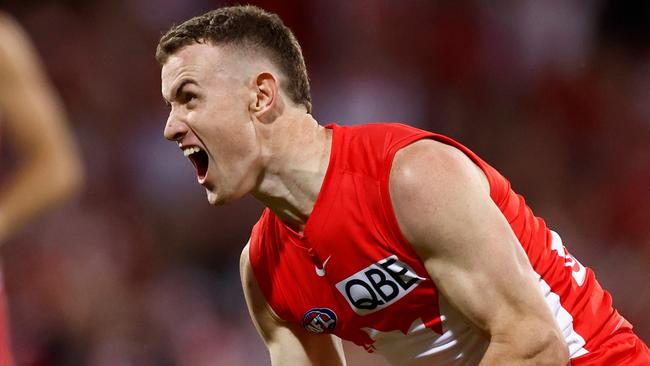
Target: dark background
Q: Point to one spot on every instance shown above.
(140, 270)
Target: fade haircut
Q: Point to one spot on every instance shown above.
(244, 26)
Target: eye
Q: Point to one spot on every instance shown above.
(188, 99)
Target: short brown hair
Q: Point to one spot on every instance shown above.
(248, 26)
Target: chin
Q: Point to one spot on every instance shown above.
(215, 199)
(221, 198)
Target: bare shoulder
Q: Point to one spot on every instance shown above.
(17, 54)
(246, 272)
(433, 160)
(249, 284)
(432, 179)
(11, 33)
(247, 277)
(7, 22)
(258, 306)
(244, 263)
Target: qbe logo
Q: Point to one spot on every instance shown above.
(319, 320)
(379, 285)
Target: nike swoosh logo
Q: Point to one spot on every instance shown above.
(321, 271)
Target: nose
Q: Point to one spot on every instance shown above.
(175, 129)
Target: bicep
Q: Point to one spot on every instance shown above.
(467, 246)
(288, 344)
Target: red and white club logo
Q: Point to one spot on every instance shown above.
(319, 320)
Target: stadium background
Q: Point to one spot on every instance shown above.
(139, 270)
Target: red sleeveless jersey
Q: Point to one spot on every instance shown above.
(352, 273)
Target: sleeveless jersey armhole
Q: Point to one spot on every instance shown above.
(491, 174)
(384, 178)
(257, 258)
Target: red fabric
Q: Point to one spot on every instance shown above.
(6, 357)
(623, 348)
(347, 223)
(353, 224)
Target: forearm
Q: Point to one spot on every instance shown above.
(310, 350)
(531, 348)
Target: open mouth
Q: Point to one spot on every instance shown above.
(199, 159)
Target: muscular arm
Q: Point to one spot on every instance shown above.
(441, 199)
(35, 125)
(288, 345)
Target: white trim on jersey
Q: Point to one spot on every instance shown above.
(564, 319)
(579, 272)
(461, 344)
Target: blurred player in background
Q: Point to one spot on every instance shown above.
(33, 122)
(397, 239)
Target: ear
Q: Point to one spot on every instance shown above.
(266, 94)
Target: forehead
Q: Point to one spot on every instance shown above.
(197, 61)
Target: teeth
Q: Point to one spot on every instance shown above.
(191, 150)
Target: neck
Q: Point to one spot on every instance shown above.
(296, 156)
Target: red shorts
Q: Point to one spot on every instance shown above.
(622, 348)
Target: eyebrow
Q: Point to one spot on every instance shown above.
(178, 89)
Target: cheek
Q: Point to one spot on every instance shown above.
(244, 141)
(233, 141)
(230, 127)
(235, 105)
(196, 118)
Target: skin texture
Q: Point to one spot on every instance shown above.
(288, 344)
(209, 109)
(262, 143)
(35, 125)
(471, 253)
(233, 107)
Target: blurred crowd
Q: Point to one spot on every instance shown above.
(140, 270)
